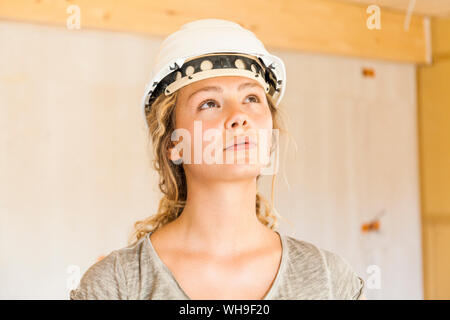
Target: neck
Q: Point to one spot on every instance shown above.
(220, 217)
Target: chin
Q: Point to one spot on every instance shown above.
(226, 172)
(238, 171)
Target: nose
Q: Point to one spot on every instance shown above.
(237, 118)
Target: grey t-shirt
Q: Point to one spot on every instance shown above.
(137, 273)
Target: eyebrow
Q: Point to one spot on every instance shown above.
(218, 89)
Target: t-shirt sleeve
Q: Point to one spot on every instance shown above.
(104, 280)
(345, 283)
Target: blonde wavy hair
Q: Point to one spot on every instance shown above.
(172, 179)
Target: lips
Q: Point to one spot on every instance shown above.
(248, 141)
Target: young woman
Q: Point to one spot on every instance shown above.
(210, 238)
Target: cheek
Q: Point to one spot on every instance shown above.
(197, 129)
(265, 120)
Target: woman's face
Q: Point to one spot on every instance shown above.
(210, 115)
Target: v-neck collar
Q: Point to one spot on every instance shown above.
(268, 295)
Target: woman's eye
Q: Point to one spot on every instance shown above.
(256, 98)
(211, 103)
(207, 102)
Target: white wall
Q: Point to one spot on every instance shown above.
(75, 173)
(357, 155)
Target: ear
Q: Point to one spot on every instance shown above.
(171, 154)
(174, 155)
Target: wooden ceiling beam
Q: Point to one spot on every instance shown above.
(321, 26)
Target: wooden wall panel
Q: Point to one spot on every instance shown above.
(434, 146)
(441, 38)
(434, 120)
(437, 258)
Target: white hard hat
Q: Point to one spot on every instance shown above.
(209, 48)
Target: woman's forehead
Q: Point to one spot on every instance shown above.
(231, 82)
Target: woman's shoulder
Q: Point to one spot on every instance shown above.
(108, 278)
(313, 262)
